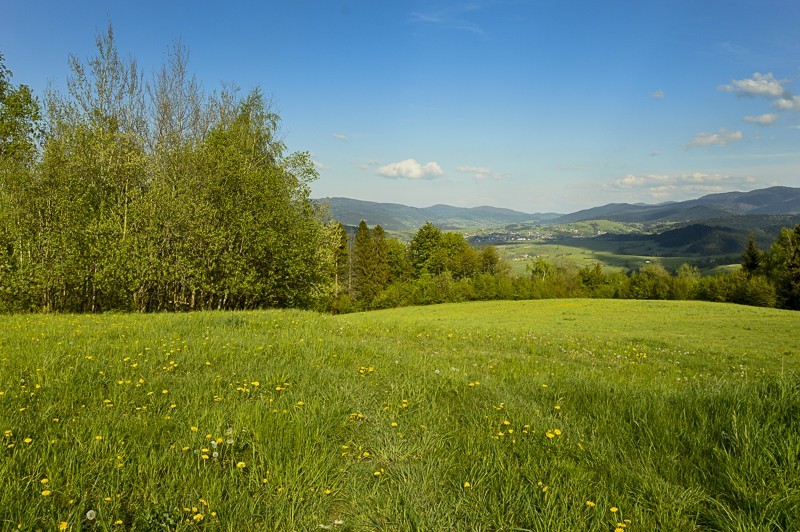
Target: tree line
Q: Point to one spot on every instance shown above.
(374, 271)
(135, 194)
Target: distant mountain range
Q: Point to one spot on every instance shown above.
(396, 217)
(757, 205)
(767, 201)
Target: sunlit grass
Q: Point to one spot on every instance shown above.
(531, 415)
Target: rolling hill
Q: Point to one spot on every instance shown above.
(396, 217)
(768, 201)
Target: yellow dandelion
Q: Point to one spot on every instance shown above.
(27, 440)
(198, 517)
(618, 529)
(118, 522)
(63, 525)
(328, 491)
(98, 438)
(557, 407)
(557, 432)
(46, 493)
(467, 485)
(394, 423)
(614, 509)
(377, 473)
(550, 435)
(194, 429)
(240, 465)
(590, 504)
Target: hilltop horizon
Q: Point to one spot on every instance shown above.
(553, 212)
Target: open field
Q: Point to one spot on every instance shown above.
(534, 415)
(579, 257)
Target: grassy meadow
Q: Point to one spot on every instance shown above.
(536, 415)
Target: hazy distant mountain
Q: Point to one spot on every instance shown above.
(395, 217)
(770, 201)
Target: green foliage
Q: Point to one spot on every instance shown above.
(752, 257)
(784, 267)
(157, 197)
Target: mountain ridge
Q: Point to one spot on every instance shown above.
(776, 200)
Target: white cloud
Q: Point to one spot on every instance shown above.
(480, 173)
(758, 85)
(662, 187)
(762, 120)
(657, 93)
(341, 136)
(788, 103)
(722, 138)
(410, 169)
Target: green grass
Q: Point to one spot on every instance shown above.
(613, 256)
(682, 415)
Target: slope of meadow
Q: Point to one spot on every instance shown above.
(535, 415)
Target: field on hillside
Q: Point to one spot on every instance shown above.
(534, 415)
(609, 255)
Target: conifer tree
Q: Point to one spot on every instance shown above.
(751, 257)
(365, 282)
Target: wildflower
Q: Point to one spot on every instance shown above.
(46, 493)
(240, 465)
(98, 438)
(27, 440)
(328, 491)
(590, 504)
(90, 515)
(198, 517)
(45, 480)
(63, 525)
(467, 485)
(377, 473)
(557, 432)
(194, 429)
(118, 522)
(550, 435)
(394, 423)
(204, 457)
(557, 407)
(614, 509)
(619, 529)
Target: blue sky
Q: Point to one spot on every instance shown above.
(532, 105)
